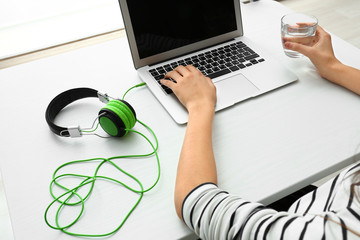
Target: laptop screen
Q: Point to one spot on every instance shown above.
(163, 25)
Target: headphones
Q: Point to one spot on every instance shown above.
(116, 118)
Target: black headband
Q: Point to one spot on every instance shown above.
(64, 99)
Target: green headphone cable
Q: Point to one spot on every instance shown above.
(138, 85)
(71, 193)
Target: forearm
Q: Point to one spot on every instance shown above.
(345, 76)
(196, 163)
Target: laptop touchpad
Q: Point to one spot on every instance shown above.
(234, 89)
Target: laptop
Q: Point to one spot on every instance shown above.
(207, 34)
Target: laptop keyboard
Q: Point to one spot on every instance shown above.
(214, 63)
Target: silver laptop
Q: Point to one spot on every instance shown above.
(208, 34)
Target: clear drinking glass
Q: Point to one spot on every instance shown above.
(299, 28)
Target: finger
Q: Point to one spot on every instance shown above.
(322, 36)
(320, 30)
(168, 83)
(303, 24)
(191, 68)
(297, 47)
(181, 70)
(174, 75)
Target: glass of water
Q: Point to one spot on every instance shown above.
(299, 28)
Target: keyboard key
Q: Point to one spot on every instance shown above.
(234, 68)
(202, 68)
(215, 69)
(219, 73)
(251, 56)
(155, 73)
(261, 60)
(159, 77)
(248, 64)
(167, 90)
(241, 66)
(240, 44)
(249, 50)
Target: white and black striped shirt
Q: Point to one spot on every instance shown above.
(329, 212)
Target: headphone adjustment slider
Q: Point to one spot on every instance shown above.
(103, 97)
(74, 131)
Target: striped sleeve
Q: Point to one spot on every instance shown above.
(215, 214)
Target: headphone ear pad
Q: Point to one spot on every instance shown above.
(117, 117)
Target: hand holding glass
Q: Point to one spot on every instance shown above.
(298, 28)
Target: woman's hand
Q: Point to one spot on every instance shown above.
(320, 52)
(322, 56)
(194, 90)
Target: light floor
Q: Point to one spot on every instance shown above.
(340, 17)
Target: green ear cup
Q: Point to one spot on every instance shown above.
(109, 126)
(116, 117)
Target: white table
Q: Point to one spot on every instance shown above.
(265, 148)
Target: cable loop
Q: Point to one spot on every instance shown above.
(71, 193)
